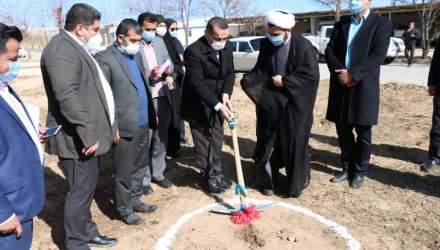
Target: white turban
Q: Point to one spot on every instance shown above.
(280, 18)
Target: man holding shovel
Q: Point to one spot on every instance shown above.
(205, 99)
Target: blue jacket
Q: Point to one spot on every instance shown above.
(21, 172)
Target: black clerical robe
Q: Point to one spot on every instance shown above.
(285, 114)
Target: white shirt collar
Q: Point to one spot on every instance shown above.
(81, 43)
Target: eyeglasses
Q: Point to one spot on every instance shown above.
(174, 29)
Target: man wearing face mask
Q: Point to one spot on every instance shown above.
(283, 84)
(357, 48)
(158, 68)
(123, 67)
(81, 100)
(209, 82)
(21, 155)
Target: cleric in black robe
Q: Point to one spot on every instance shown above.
(283, 84)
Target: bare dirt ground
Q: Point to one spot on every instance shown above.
(398, 207)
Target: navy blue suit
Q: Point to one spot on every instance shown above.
(21, 177)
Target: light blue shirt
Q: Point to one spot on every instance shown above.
(354, 28)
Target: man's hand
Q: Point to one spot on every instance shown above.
(90, 150)
(155, 72)
(12, 226)
(278, 81)
(42, 131)
(226, 113)
(170, 82)
(117, 138)
(227, 102)
(345, 77)
(431, 90)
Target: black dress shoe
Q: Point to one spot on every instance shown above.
(132, 219)
(340, 177)
(214, 188)
(164, 183)
(146, 190)
(429, 166)
(145, 208)
(357, 182)
(223, 184)
(102, 241)
(267, 192)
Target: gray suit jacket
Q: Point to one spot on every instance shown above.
(161, 56)
(124, 88)
(76, 99)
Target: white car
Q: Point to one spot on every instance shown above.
(320, 41)
(245, 51)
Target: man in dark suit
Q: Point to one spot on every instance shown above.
(410, 36)
(208, 85)
(21, 155)
(81, 100)
(434, 90)
(357, 48)
(122, 65)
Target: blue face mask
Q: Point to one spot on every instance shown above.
(173, 33)
(148, 36)
(356, 7)
(14, 69)
(276, 40)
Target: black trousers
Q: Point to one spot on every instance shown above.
(130, 161)
(82, 176)
(208, 142)
(409, 51)
(434, 143)
(355, 151)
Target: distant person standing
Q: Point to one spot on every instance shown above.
(81, 100)
(411, 35)
(357, 48)
(434, 90)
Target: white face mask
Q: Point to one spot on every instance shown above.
(218, 45)
(131, 48)
(161, 31)
(94, 43)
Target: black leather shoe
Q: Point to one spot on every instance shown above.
(145, 208)
(214, 188)
(146, 190)
(429, 166)
(132, 219)
(102, 241)
(267, 192)
(357, 182)
(340, 177)
(223, 184)
(164, 183)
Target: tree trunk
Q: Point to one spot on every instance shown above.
(338, 10)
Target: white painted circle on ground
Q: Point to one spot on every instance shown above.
(165, 241)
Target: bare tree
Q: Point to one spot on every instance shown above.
(163, 7)
(185, 10)
(229, 8)
(429, 13)
(334, 5)
(58, 9)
